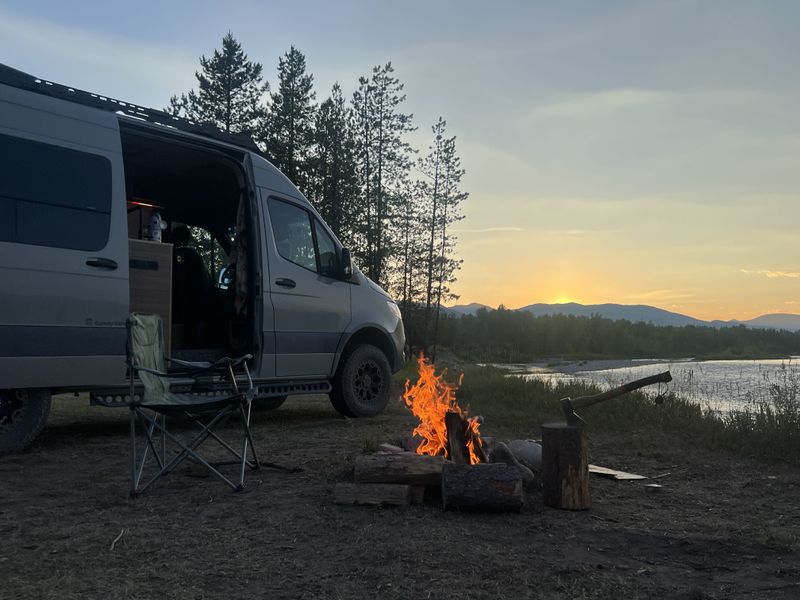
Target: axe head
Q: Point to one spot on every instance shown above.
(573, 419)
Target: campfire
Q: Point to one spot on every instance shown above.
(444, 428)
(444, 457)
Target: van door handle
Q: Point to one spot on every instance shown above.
(284, 282)
(103, 263)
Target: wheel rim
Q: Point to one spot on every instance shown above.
(368, 382)
(12, 405)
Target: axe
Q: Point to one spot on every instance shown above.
(569, 405)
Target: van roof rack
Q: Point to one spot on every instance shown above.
(21, 80)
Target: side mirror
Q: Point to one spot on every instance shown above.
(347, 265)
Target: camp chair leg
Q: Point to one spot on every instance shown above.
(254, 464)
(186, 452)
(133, 452)
(247, 438)
(204, 434)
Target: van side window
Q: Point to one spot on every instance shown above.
(53, 196)
(294, 238)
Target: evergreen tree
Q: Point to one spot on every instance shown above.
(229, 92)
(334, 185)
(384, 160)
(409, 259)
(441, 191)
(289, 131)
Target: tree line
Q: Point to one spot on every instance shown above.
(392, 205)
(517, 336)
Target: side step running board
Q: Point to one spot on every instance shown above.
(119, 396)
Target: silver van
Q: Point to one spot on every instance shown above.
(108, 208)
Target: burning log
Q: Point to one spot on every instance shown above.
(406, 467)
(457, 450)
(565, 467)
(373, 494)
(492, 487)
(444, 427)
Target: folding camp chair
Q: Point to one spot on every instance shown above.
(147, 362)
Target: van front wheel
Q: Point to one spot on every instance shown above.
(361, 385)
(23, 414)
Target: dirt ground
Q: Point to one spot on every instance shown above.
(722, 527)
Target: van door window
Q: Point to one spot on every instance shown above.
(328, 261)
(53, 196)
(294, 238)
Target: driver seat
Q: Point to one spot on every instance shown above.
(190, 285)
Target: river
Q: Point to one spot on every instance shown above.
(720, 385)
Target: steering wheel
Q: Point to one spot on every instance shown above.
(227, 276)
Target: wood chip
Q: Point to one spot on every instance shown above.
(614, 474)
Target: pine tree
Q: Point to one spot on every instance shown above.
(334, 185)
(229, 92)
(384, 160)
(409, 259)
(289, 132)
(441, 190)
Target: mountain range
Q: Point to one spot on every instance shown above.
(639, 313)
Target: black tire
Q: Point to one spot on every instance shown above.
(268, 403)
(362, 383)
(23, 414)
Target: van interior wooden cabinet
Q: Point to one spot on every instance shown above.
(151, 282)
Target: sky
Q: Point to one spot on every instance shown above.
(629, 152)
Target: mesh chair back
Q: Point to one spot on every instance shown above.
(146, 349)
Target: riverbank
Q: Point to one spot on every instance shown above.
(769, 429)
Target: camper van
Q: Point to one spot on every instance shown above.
(108, 208)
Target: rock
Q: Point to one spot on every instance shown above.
(528, 453)
(502, 454)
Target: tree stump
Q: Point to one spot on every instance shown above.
(565, 467)
(494, 487)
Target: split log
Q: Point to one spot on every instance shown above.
(565, 467)
(406, 467)
(457, 450)
(373, 494)
(502, 454)
(494, 487)
(528, 452)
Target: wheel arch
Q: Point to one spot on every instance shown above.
(369, 334)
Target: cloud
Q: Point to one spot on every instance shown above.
(135, 70)
(573, 232)
(488, 229)
(661, 295)
(774, 274)
(594, 105)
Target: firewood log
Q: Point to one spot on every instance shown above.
(457, 450)
(406, 467)
(373, 494)
(494, 487)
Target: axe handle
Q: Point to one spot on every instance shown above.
(582, 401)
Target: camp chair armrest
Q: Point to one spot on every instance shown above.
(226, 361)
(188, 363)
(146, 370)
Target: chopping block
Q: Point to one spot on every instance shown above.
(565, 467)
(565, 458)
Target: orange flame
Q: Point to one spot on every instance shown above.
(429, 399)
